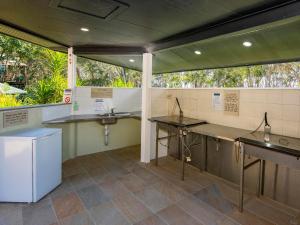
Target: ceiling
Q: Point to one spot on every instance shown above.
(171, 29)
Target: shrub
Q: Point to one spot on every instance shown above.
(120, 83)
(9, 101)
(46, 91)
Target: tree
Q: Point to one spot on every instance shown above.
(94, 73)
(50, 89)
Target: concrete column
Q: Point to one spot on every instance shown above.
(72, 86)
(146, 108)
(71, 69)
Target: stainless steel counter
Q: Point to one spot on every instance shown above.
(219, 131)
(89, 117)
(177, 121)
(278, 143)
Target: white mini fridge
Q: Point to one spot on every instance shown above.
(30, 164)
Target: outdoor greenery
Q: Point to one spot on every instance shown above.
(261, 76)
(9, 101)
(42, 73)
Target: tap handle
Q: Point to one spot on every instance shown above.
(112, 110)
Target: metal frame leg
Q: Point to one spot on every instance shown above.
(241, 196)
(203, 157)
(263, 169)
(179, 143)
(258, 191)
(182, 139)
(275, 181)
(156, 147)
(206, 156)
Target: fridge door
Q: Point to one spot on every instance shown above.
(15, 169)
(47, 163)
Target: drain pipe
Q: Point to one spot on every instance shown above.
(106, 134)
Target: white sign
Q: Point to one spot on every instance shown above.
(99, 105)
(217, 101)
(67, 96)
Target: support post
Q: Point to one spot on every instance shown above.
(71, 69)
(72, 85)
(146, 108)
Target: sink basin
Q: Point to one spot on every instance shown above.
(111, 118)
(108, 120)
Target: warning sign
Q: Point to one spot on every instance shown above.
(67, 96)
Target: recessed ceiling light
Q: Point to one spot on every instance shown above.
(84, 29)
(197, 52)
(247, 44)
(131, 60)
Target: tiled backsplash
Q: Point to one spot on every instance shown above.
(282, 105)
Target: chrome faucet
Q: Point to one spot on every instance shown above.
(267, 129)
(180, 110)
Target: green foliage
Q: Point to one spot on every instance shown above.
(261, 76)
(9, 101)
(119, 82)
(94, 73)
(46, 91)
(56, 62)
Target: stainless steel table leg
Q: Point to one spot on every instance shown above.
(206, 156)
(203, 157)
(182, 153)
(258, 191)
(179, 144)
(241, 196)
(156, 147)
(263, 177)
(275, 181)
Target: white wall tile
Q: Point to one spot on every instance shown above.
(291, 97)
(282, 106)
(290, 113)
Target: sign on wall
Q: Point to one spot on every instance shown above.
(232, 102)
(67, 99)
(217, 101)
(15, 118)
(101, 92)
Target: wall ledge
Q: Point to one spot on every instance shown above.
(31, 107)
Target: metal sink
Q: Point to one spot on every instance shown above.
(108, 120)
(112, 118)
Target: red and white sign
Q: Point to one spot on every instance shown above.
(67, 99)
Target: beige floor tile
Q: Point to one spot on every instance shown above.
(67, 205)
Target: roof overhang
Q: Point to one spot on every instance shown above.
(272, 26)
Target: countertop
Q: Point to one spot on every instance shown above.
(279, 143)
(219, 131)
(89, 117)
(177, 121)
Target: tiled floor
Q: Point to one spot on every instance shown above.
(113, 188)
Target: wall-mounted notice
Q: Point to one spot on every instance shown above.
(99, 106)
(217, 101)
(101, 92)
(15, 118)
(232, 102)
(67, 98)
